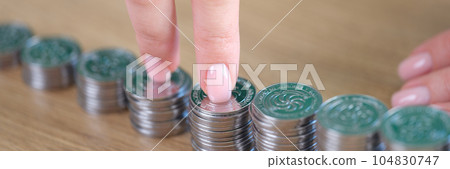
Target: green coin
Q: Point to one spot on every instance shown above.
(242, 96)
(13, 37)
(105, 64)
(288, 101)
(180, 80)
(50, 51)
(352, 114)
(417, 126)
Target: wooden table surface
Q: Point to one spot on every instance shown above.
(355, 46)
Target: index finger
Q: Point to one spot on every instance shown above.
(216, 34)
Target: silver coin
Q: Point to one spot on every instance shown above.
(13, 37)
(284, 118)
(350, 123)
(156, 116)
(222, 126)
(48, 63)
(158, 133)
(242, 146)
(287, 147)
(223, 139)
(99, 80)
(285, 139)
(219, 134)
(9, 59)
(416, 128)
(219, 125)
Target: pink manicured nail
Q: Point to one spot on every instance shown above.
(218, 83)
(415, 65)
(413, 96)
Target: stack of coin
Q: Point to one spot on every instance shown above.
(157, 111)
(48, 63)
(416, 128)
(222, 126)
(350, 123)
(12, 39)
(100, 77)
(284, 117)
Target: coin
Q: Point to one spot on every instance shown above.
(350, 123)
(222, 126)
(105, 65)
(153, 112)
(284, 117)
(100, 76)
(288, 101)
(12, 39)
(416, 128)
(48, 62)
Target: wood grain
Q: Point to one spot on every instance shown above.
(355, 45)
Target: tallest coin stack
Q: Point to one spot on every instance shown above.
(222, 126)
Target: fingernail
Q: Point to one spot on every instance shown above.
(413, 96)
(157, 69)
(415, 65)
(218, 83)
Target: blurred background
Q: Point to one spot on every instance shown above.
(355, 46)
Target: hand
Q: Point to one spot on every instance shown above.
(216, 36)
(427, 75)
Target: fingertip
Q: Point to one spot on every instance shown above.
(414, 66)
(216, 35)
(414, 96)
(218, 83)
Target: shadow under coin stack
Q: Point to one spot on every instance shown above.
(48, 63)
(12, 39)
(158, 111)
(284, 117)
(416, 128)
(222, 126)
(100, 78)
(350, 123)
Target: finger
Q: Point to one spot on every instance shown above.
(442, 106)
(428, 89)
(156, 35)
(432, 55)
(216, 34)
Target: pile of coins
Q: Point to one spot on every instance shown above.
(48, 63)
(416, 128)
(350, 123)
(284, 117)
(100, 77)
(157, 111)
(222, 126)
(12, 39)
